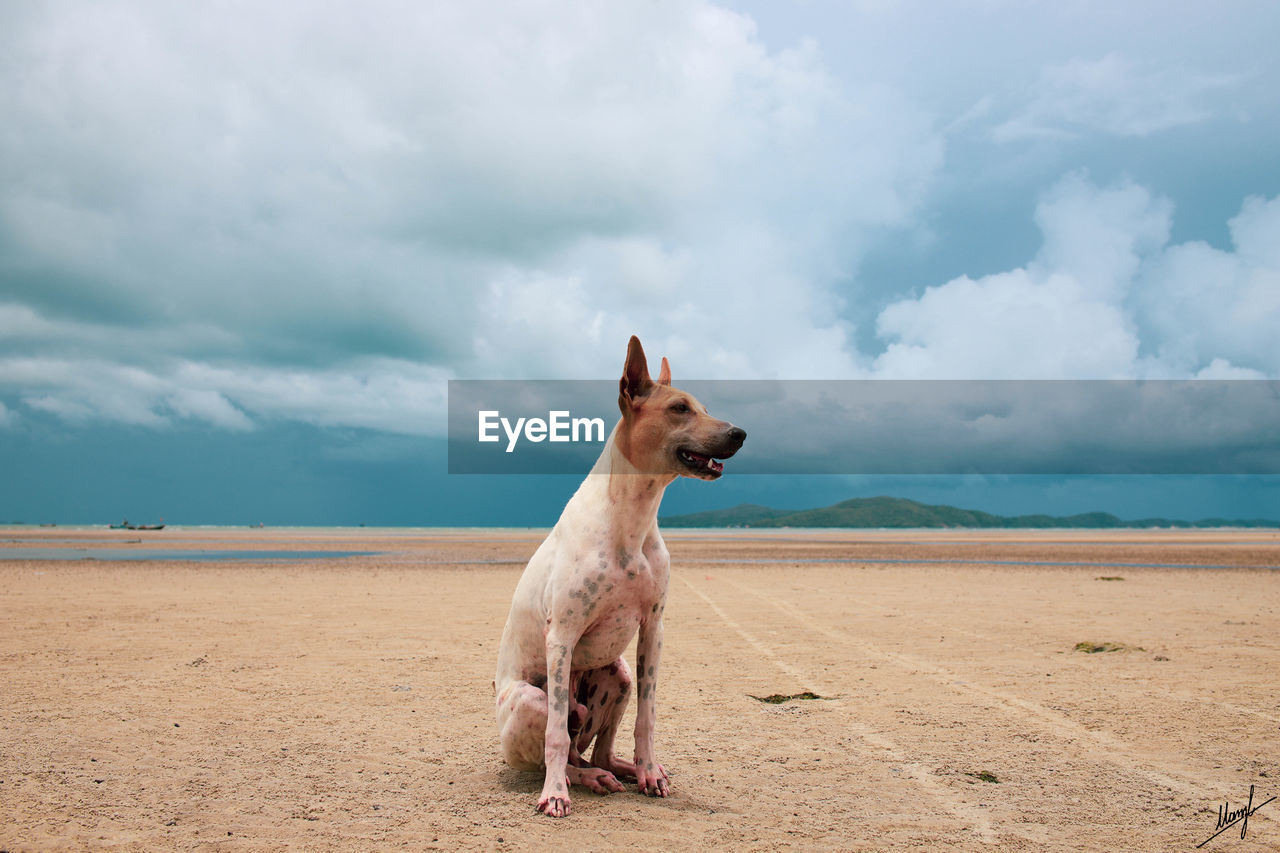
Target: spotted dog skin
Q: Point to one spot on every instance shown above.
(598, 578)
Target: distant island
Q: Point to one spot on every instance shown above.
(900, 512)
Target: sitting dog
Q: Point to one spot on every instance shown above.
(598, 578)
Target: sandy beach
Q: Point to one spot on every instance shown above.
(257, 689)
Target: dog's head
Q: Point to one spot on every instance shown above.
(665, 430)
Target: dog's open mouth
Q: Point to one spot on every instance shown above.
(701, 464)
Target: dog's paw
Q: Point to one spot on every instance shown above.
(556, 806)
(652, 779)
(621, 769)
(595, 779)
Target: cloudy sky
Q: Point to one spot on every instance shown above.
(244, 246)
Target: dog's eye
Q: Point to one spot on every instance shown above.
(681, 408)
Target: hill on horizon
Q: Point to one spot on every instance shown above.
(891, 512)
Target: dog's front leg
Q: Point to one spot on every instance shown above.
(555, 790)
(650, 775)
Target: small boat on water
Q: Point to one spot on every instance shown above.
(125, 525)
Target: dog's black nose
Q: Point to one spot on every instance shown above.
(737, 435)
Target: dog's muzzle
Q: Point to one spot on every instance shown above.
(703, 461)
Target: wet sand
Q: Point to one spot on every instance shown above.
(331, 702)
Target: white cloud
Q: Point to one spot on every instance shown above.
(208, 406)
(1220, 368)
(378, 394)
(1106, 297)
(1255, 231)
(1099, 237)
(68, 410)
(81, 391)
(1202, 305)
(1113, 95)
(728, 313)
(1009, 325)
(274, 192)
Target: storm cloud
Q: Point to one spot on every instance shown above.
(229, 215)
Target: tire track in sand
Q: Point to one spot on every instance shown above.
(968, 814)
(1101, 746)
(946, 628)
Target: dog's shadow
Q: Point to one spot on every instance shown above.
(519, 781)
(530, 783)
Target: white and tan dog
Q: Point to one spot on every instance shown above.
(598, 578)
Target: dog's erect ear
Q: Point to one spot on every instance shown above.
(635, 382)
(664, 375)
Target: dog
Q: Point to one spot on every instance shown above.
(598, 578)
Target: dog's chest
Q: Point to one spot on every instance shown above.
(614, 601)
